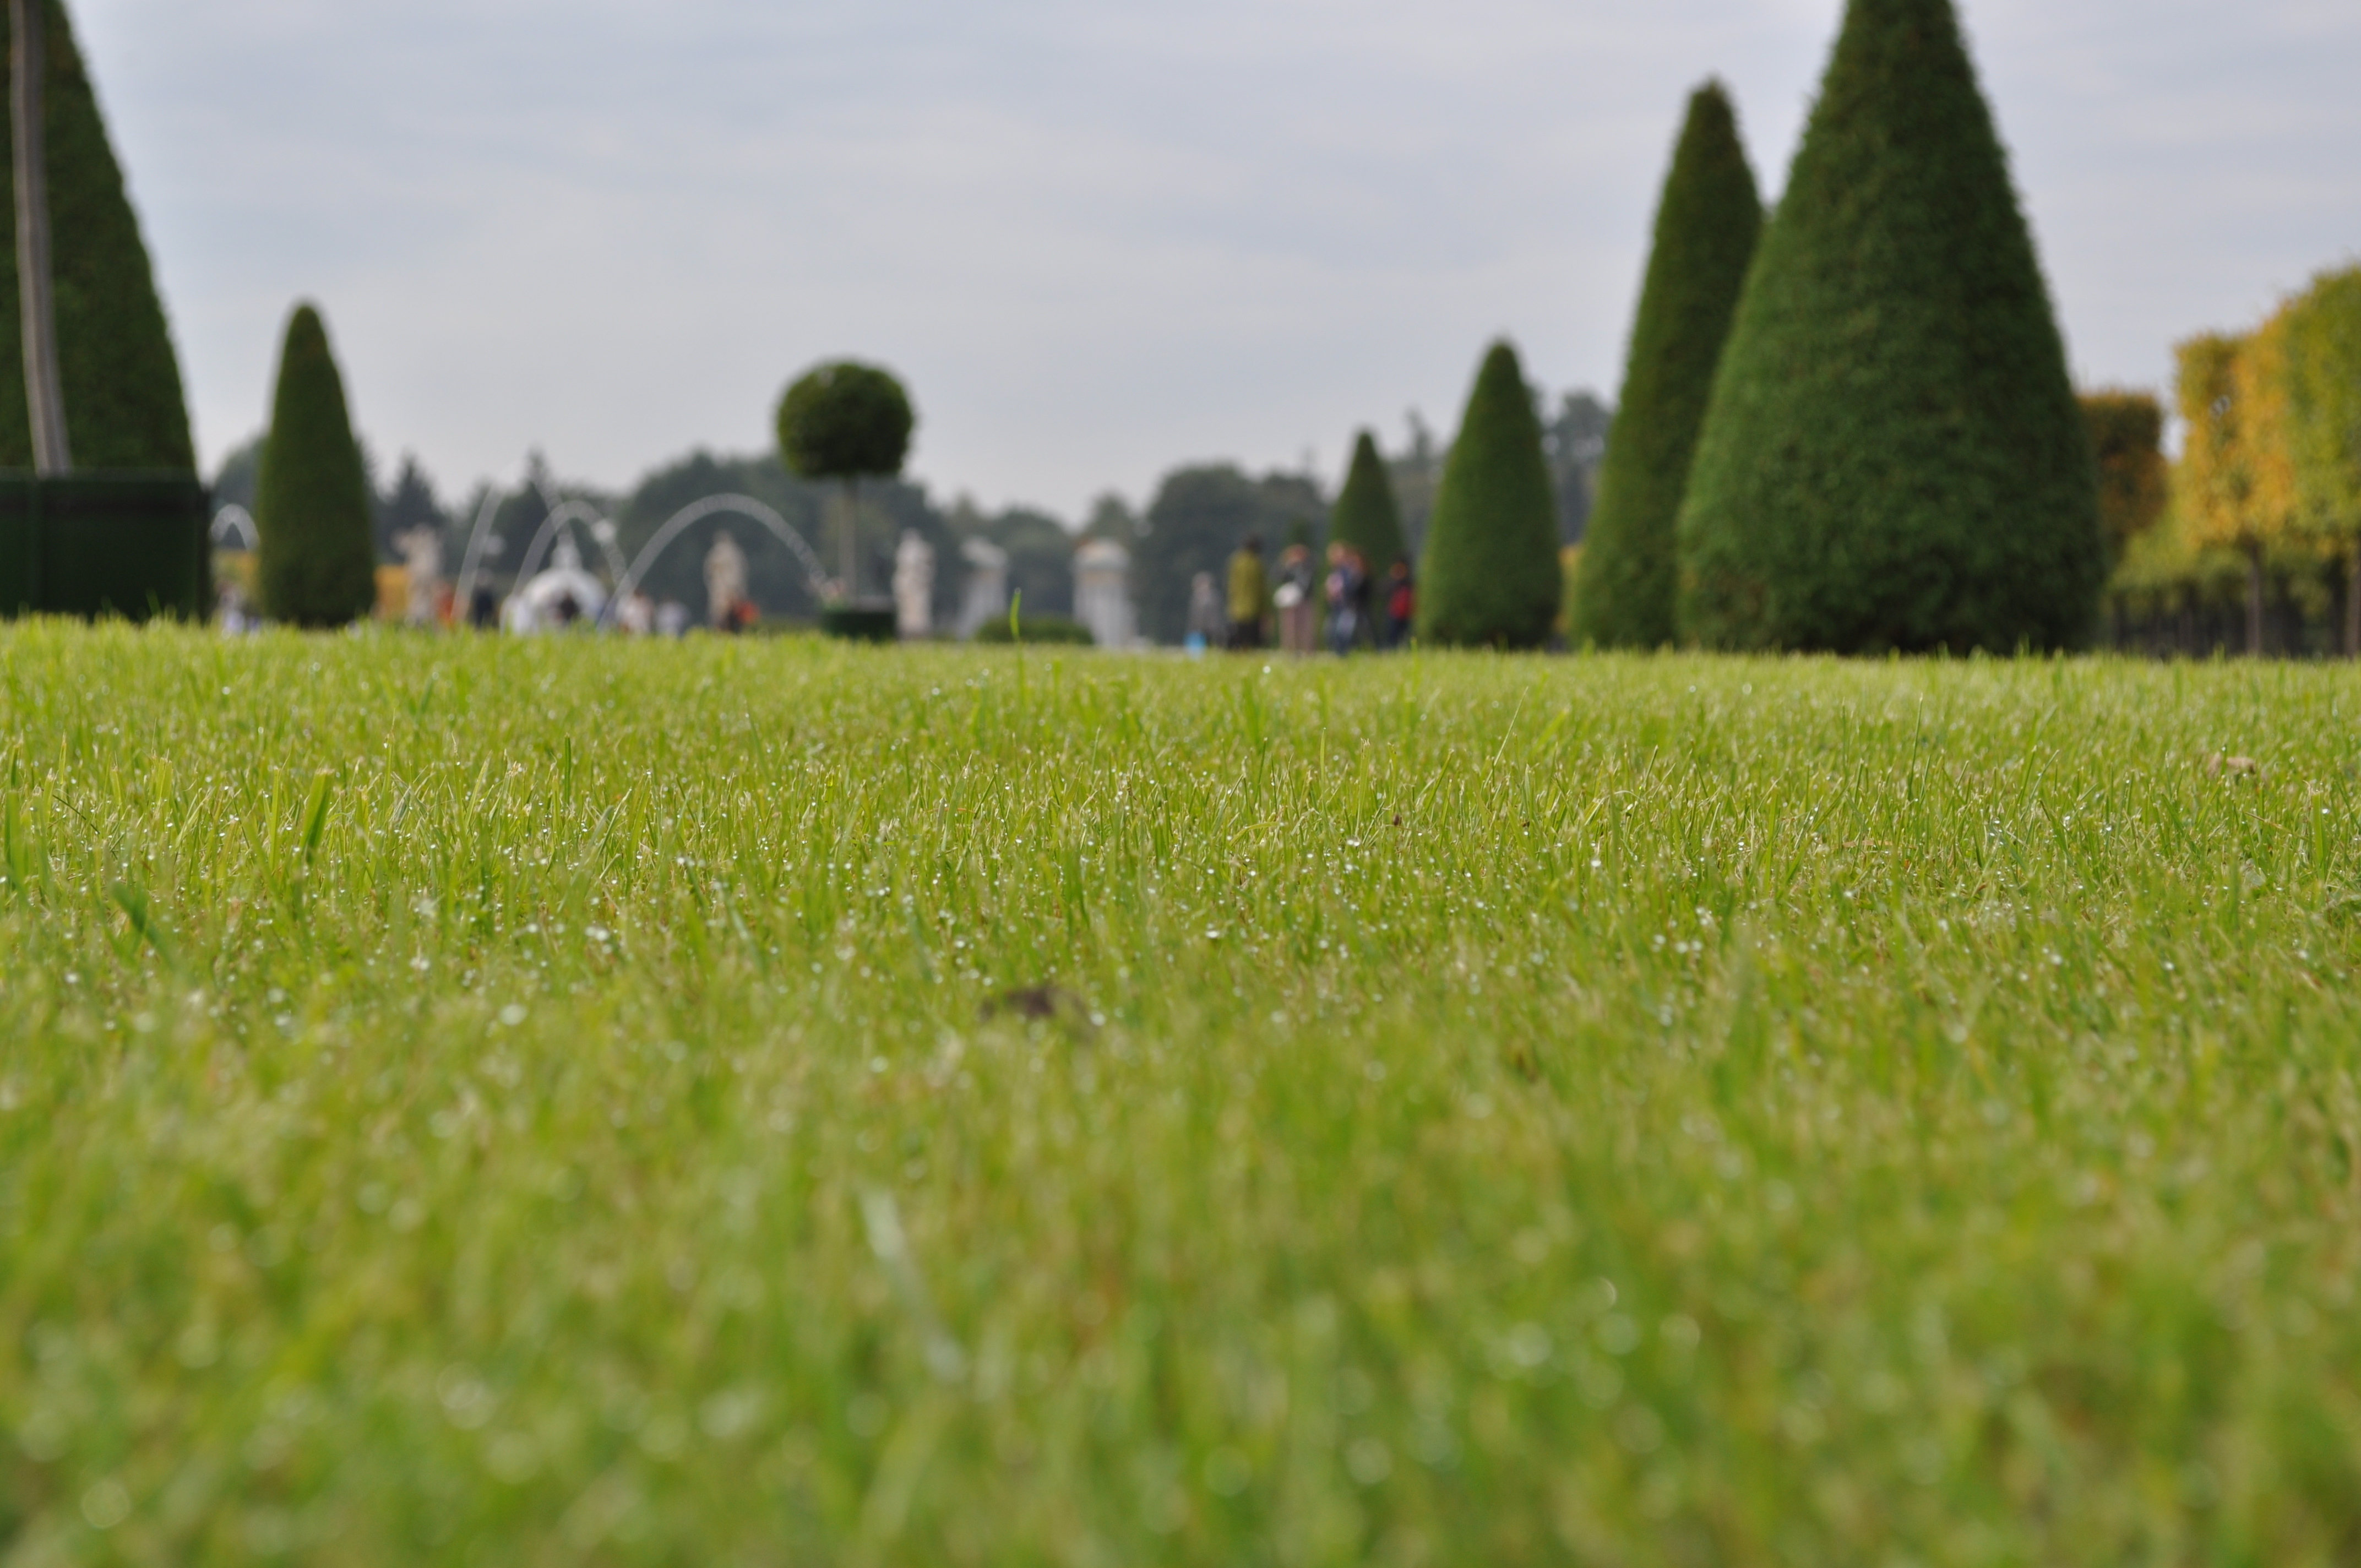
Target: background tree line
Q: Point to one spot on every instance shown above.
(2252, 537)
(1197, 516)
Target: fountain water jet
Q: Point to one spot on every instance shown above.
(822, 586)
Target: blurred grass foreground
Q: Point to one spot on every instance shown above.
(540, 1101)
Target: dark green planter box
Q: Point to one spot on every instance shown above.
(859, 622)
(106, 543)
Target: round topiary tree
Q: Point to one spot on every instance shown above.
(1366, 516)
(315, 566)
(845, 421)
(1490, 576)
(1706, 222)
(1893, 456)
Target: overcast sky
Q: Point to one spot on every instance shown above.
(1097, 237)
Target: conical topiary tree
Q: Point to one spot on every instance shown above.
(1705, 227)
(1490, 572)
(124, 405)
(316, 566)
(1365, 515)
(1893, 456)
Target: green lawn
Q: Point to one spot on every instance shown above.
(518, 1104)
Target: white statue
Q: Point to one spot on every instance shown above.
(986, 597)
(914, 586)
(725, 582)
(422, 553)
(1102, 597)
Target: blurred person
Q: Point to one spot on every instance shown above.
(672, 619)
(1294, 598)
(1402, 604)
(1348, 598)
(230, 608)
(1249, 589)
(1205, 626)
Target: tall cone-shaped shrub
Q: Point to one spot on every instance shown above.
(1366, 516)
(311, 498)
(1707, 223)
(123, 404)
(1490, 572)
(1893, 456)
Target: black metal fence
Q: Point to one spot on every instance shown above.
(2304, 616)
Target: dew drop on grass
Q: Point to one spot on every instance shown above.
(106, 1504)
(1528, 1346)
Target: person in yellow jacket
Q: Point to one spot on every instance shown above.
(1250, 591)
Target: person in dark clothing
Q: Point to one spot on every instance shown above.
(1402, 604)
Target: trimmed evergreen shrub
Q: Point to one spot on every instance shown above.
(1893, 456)
(1058, 628)
(1490, 575)
(1365, 516)
(844, 420)
(311, 498)
(121, 381)
(1705, 227)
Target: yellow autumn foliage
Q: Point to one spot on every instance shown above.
(2234, 484)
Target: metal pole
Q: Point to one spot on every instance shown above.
(847, 540)
(44, 396)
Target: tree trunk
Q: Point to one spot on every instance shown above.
(44, 397)
(847, 546)
(2253, 601)
(2352, 601)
